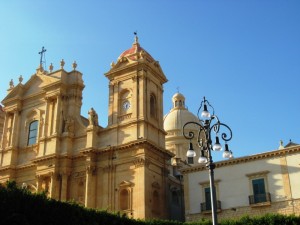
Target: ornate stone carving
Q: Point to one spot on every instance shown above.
(79, 174)
(91, 169)
(69, 125)
(141, 162)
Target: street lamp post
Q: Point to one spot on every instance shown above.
(208, 128)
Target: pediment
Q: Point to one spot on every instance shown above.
(156, 185)
(38, 84)
(126, 183)
(35, 85)
(16, 92)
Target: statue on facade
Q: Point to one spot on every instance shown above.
(93, 117)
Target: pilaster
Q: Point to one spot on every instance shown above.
(64, 186)
(90, 186)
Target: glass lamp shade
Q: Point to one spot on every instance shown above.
(202, 160)
(226, 154)
(190, 153)
(205, 113)
(217, 146)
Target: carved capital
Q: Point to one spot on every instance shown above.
(141, 162)
(91, 170)
(79, 174)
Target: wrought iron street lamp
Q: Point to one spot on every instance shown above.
(208, 128)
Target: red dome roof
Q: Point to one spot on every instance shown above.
(135, 51)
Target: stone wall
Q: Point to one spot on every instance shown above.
(283, 207)
(2, 115)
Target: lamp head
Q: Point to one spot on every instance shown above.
(227, 154)
(190, 152)
(217, 146)
(202, 159)
(205, 113)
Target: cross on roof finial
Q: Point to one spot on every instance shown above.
(42, 53)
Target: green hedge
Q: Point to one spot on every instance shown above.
(20, 207)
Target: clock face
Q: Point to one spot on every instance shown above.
(126, 105)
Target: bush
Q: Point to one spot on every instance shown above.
(19, 207)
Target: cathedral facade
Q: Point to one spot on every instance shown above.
(48, 146)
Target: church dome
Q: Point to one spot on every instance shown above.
(136, 52)
(178, 115)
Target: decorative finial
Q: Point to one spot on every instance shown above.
(74, 65)
(62, 63)
(112, 64)
(136, 39)
(51, 67)
(281, 145)
(11, 84)
(20, 79)
(42, 53)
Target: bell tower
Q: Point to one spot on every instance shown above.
(135, 135)
(136, 96)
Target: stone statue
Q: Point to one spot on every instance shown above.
(93, 117)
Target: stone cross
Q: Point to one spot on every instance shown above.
(42, 54)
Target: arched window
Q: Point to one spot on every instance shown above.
(33, 130)
(152, 106)
(124, 199)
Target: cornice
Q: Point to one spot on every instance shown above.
(245, 159)
(126, 146)
(49, 157)
(130, 122)
(4, 168)
(26, 166)
(136, 66)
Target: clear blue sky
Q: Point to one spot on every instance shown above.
(244, 56)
